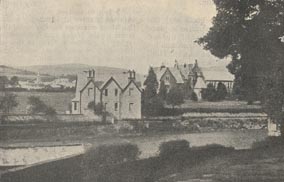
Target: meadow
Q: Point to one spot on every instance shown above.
(58, 100)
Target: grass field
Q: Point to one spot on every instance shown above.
(57, 100)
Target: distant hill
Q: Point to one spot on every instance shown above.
(21, 73)
(103, 73)
(70, 69)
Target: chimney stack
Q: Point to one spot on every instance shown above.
(132, 75)
(90, 74)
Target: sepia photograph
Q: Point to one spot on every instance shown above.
(142, 90)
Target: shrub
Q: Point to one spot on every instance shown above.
(97, 108)
(209, 93)
(173, 148)
(110, 154)
(269, 142)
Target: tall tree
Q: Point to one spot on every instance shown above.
(251, 33)
(151, 84)
(151, 102)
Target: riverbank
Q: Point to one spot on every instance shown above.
(211, 163)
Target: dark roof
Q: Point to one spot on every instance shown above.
(109, 81)
(132, 81)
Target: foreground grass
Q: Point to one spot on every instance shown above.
(255, 165)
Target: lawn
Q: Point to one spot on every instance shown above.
(57, 100)
(256, 165)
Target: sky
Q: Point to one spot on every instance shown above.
(132, 34)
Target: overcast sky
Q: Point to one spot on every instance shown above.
(119, 33)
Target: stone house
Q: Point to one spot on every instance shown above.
(182, 75)
(121, 99)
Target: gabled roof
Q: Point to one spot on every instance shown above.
(89, 82)
(132, 81)
(174, 72)
(108, 82)
(199, 83)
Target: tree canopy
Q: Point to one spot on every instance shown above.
(250, 32)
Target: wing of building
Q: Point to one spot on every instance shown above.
(120, 94)
(191, 75)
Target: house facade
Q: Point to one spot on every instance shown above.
(121, 101)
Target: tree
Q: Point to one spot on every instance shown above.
(8, 102)
(175, 97)
(151, 84)
(14, 81)
(221, 92)
(152, 104)
(251, 33)
(163, 90)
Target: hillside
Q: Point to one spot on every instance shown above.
(70, 69)
(10, 71)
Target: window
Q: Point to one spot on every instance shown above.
(106, 92)
(116, 106)
(167, 78)
(105, 106)
(89, 91)
(75, 106)
(131, 106)
(116, 92)
(130, 91)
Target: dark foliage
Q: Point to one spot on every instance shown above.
(97, 108)
(221, 92)
(151, 102)
(209, 93)
(175, 97)
(173, 148)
